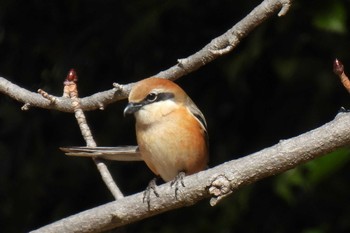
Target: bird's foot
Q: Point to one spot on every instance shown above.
(147, 193)
(177, 181)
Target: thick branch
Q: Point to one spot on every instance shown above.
(216, 48)
(218, 181)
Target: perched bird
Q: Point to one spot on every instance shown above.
(171, 131)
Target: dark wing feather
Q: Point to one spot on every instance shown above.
(197, 113)
(122, 153)
(192, 107)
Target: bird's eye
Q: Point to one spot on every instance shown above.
(152, 97)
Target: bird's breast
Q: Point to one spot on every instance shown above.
(173, 143)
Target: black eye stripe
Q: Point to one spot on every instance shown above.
(154, 97)
(165, 96)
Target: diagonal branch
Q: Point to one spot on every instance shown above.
(217, 182)
(228, 41)
(216, 48)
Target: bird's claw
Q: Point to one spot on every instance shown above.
(147, 193)
(177, 181)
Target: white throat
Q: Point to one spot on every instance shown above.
(154, 112)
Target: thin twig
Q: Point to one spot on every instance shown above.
(71, 90)
(46, 95)
(25, 107)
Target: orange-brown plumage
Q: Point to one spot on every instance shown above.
(170, 129)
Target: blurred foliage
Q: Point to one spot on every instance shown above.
(332, 18)
(278, 83)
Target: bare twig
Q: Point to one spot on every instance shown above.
(217, 182)
(44, 94)
(71, 91)
(216, 48)
(25, 107)
(63, 104)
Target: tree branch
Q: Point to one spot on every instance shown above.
(216, 48)
(217, 182)
(227, 41)
(64, 104)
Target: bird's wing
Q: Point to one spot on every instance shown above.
(192, 107)
(194, 110)
(122, 153)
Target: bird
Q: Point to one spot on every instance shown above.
(171, 131)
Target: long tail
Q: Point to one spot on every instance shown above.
(122, 153)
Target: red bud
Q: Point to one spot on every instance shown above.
(338, 67)
(72, 76)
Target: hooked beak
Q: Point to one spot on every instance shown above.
(132, 108)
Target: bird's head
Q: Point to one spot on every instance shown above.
(152, 98)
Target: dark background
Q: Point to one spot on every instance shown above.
(278, 83)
